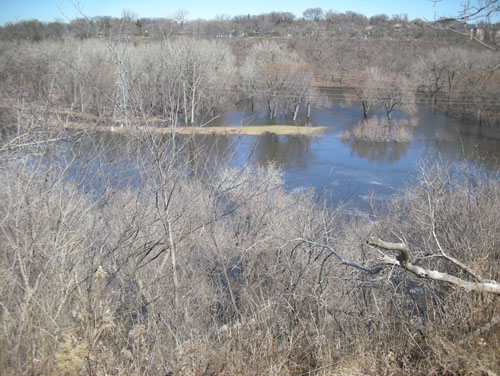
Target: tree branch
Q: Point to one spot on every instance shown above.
(403, 261)
(340, 258)
(453, 260)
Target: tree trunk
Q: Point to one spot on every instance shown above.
(173, 261)
(193, 105)
(186, 119)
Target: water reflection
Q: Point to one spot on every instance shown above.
(379, 152)
(283, 150)
(479, 144)
(457, 140)
(351, 169)
(204, 153)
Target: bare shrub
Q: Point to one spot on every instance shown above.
(375, 129)
(226, 271)
(91, 285)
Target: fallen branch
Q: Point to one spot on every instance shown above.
(403, 261)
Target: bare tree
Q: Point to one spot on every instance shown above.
(394, 91)
(430, 74)
(207, 69)
(313, 14)
(300, 89)
(365, 95)
(388, 90)
(276, 76)
(181, 16)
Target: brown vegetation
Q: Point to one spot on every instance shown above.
(380, 130)
(226, 273)
(189, 81)
(159, 262)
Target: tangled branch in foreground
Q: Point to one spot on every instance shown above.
(403, 261)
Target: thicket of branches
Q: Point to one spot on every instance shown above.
(118, 81)
(176, 269)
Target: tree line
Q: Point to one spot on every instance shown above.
(315, 22)
(184, 80)
(180, 81)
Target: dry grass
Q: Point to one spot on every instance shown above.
(253, 130)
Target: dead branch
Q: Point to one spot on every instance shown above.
(403, 261)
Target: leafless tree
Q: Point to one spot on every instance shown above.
(366, 95)
(388, 90)
(479, 9)
(181, 16)
(314, 14)
(394, 91)
(431, 75)
(278, 77)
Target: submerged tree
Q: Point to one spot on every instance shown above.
(384, 91)
(430, 75)
(277, 77)
(394, 91)
(363, 95)
(187, 80)
(387, 90)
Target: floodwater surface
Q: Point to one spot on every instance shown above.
(354, 171)
(344, 170)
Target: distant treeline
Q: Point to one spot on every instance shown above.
(314, 23)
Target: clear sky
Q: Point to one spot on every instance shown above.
(49, 10)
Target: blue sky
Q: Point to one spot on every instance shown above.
(49, 10)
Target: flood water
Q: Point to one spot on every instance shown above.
(356, 171)
(348, 171)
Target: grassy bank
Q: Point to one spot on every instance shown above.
(250, 130)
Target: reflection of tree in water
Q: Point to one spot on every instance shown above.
(380, 152)
(283, 150)
(203, 153)
(476, 144)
